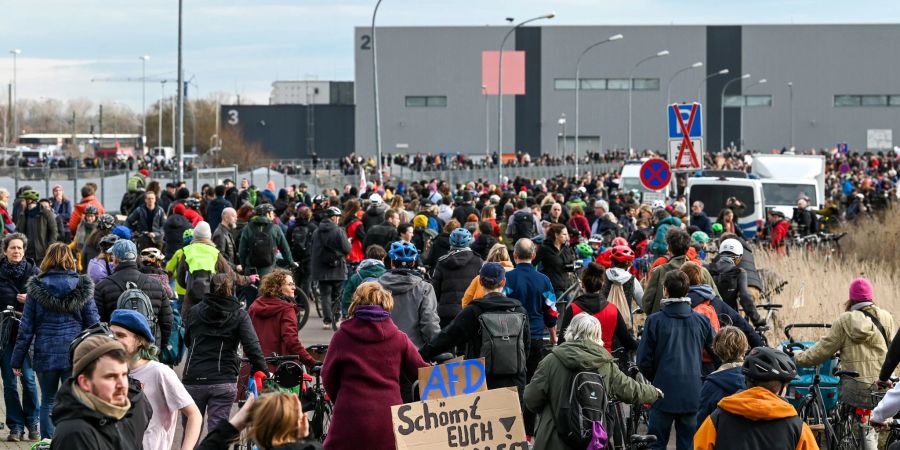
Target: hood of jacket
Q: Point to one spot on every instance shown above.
(400, 281)
(369, 331)
(376, 210)
(679, 308)
(860, 328)
(671, 220)
(367, 265)
(722, 264)
(728, 380)
(700, 293)
(582, 356)
(266, 307)
(757, 403)
(326, 225)
(261, 219)
(618, 276)
(217, 310)
(458, 258)
(61, 291)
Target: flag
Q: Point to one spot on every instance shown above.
(362, 180)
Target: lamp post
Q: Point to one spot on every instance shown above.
(695, 65)
(500, 92)
(615, 37)
(791, 111)
(744, 103)
(375, 91)
(722, 110)
(179, 135)
(487, 126)
(144, 60)
(703, 82)
(562, 125)
(631, 87)
(15, 110)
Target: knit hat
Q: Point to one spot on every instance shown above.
(861, 290)
(375, 199)
(124, 250)
(202, 231)
(134, 322)
(492, 274)
(144, 172)
(270, 185)
(91, 349)
(420, 221)
(122, 232)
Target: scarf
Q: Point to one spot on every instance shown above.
(11, 270)
(95, 404)
(373, 313)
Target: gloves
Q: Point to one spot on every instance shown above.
(253, 278)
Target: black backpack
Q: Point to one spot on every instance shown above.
(301, 241)
(586, 402)
(503, 341)
(134, 298)
(523, 225)
(262, 246)
(727, 283)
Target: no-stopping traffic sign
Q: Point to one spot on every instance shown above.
(655, 174)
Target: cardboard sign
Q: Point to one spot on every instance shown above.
(454, 377)
(480, 421)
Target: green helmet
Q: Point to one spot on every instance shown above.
(31, 195)
(700, 237)
(584, 250)
(187, 236)
(717, 228)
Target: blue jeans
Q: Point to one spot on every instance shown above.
(213, 400)
(50, 381)
(24, 412)
(661, 424)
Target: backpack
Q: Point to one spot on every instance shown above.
(503, 341)
(617, 298)
(727, 283)
(135, 299)
(707, 310)
(587, 402)
(522, 226)
(171, 353)
(301, 241)
(262, 246)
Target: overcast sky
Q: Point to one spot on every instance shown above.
(241, 47)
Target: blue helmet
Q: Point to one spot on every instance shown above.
(403, 251)
(460, 237)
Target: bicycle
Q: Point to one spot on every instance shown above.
(285, 378)
(316, 399)
(857, 399)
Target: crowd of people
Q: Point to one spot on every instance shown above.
(562, 272)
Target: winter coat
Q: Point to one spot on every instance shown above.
(275, 322)
(482, 245)
(658, 247)
(374, 215)
(861, 344)
(761, 420)
(368, 268)
(213, 330)
(613, 328)
(440, 246)
(279, 242)
(356, 232)
(534, 290)
(728, 380)
(214, 211)
(10, 287)
(79, 427)
(383, 235)
(558, 265)
(582, 226)
(549, 387)
(98, 269)
(670, 352)
(735, 288)
(39, 226)
(58, 306)
(332, 237)
(362, 376)
(452, 276)
(141, 220)
(108, 292)
(461, 213)
(465, 330)
(702, 222)
(475, 291)
(78, 211)
(225, 243)
(415, 305)
(225, 433)
(173, 230)
(62, 209)
(701, 292)
(654, 292)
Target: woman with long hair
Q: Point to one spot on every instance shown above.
(274, 317)
(615, 332)
(275, 421)
(59, 304)
(556, 258)
(355, 229)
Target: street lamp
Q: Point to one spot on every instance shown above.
(15, 110)
(791, 111)
(722, 109)
(744, 103)
(144, 60)
(562, 124)
(615, 37)
(375, 90)
(631, 87)
(703, 82)
(695, 65)
(500, 92)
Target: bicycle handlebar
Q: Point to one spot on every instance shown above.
(787, 329)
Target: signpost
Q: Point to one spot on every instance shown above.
(655, 174)
(685, 136)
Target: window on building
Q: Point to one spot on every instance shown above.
(418, 101)
(564, 84)
(874, 100)
(758, 100)
(617, 84)
(610, 84)
(733, 101)
(894, 100)
(867, 100)
(847, 100)
(593, 84)
(646, 84)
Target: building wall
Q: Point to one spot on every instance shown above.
(282, 129)
(820, 60)
(300, 92)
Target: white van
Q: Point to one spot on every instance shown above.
(631, 181)
(162, 154)
(715, 192)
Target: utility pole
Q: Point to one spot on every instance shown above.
(179, 135)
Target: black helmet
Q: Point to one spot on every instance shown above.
(264, 209)
(106, 242)
(192, 203)
(319, 200)
(91, 210)
(106, 222)
(768, 364)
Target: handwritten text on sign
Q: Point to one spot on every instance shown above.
(452, 378)
(489, 420)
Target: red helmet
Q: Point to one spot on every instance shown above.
(619, 241)
(622, 253)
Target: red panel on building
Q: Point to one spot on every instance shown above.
(513, 72)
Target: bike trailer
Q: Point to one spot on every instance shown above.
(828, 384)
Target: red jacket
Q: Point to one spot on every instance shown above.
(362, 375)
(581, 224)
(275, 322)
(78, 211)
(356, 233)
(779, 232)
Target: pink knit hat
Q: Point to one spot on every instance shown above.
(861, 290)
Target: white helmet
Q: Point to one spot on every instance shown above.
(658, 204)
(732, 246)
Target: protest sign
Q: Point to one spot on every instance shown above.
(454, 377)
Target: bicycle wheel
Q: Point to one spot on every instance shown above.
(302, 302)
(321, 419)
(847, 431)
(618, 434)
(313, 294)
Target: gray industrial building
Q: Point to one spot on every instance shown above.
(845, 86)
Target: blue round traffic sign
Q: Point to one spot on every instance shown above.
(655, 174)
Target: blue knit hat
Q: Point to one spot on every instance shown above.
(134, 322)
(460, 237)
(122, 232)
(124, 250)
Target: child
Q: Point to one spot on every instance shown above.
(730, 346)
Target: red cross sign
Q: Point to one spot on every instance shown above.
(686, 143)
(655, 174)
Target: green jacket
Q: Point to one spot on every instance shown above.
(278, 239)
(549, 387)
(862, 347)
(653, 293)
(368, 268)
